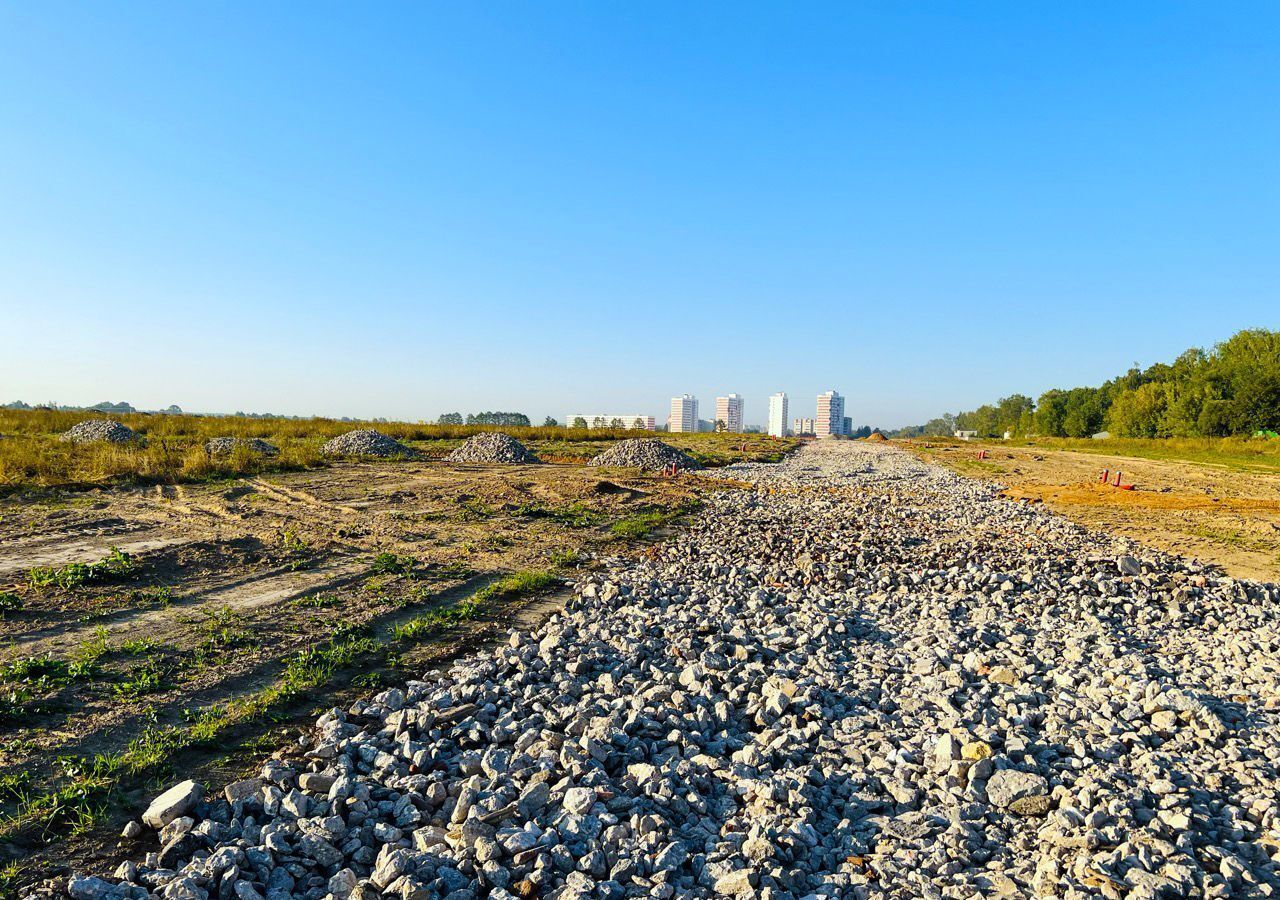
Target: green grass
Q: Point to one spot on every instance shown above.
(434, 621)
(9, 873)
(644, 522)
(116, 566)
(574, 515)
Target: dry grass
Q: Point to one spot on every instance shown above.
(31, 456)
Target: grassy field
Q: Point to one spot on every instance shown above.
(31, 456)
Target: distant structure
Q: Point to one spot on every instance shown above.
(729, 411)
(965, 435)
(600, 420)
(778, 414)
(830, 418)
(684, 413)
(802, 426)
(847, 426)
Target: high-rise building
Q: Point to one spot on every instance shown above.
(684, 413)
(729, 411)
(802, 426)
(830, 418)
(778, 414)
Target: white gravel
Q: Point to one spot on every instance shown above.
(871, 678)
(94, 430)
(491, 447)
(367, 442)
(644, 453)
(224, 446)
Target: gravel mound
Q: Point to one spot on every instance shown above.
(223, 446)
(868, 678)
(644, 453)
(492, 447)
(94, 430)
(367, 442)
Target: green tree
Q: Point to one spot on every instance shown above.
(579, 422)
(1140, 412)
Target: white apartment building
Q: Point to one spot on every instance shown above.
(729, 411)
(684, 414)
(830, 418)
(600, 420)
(802, 426)
(778, 414)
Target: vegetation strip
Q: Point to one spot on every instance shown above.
(88, 785)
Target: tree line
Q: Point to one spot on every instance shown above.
(1231, 389)
(504, 419)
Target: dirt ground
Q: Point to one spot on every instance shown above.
(1215, 514)
(223, 583)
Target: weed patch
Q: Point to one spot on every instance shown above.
(117, 566)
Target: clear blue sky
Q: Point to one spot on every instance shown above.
(403, 209)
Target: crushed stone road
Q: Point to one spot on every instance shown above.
(867, 677)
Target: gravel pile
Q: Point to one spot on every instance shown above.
(644, 453)
(94, 430)
(492, 447)
(224, 446)
(868, 678)
(367, 442)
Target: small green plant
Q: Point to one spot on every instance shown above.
(116, 566)
(139, 646)
(565, 559)
(391, 564)
(473, 510)
(84, 659)
(316, 601)
(222, 631)
(9, 603)
(147, 678)
(297, 551)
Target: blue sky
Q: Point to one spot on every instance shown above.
(404, 209)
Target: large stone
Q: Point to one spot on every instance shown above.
(176, 801)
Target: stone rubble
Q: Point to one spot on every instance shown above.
(645, 453)
(225, 446)
(867, 677)
(491, 447)
(95, 430)
(367, 442)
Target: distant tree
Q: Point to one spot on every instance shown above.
(637, 423)
(720, 426)
(598, 422)
(549, 422)
(1139, 412)
(579, 422)
(452, 418)
(615, 422)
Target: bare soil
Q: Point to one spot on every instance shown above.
(1216, 514)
